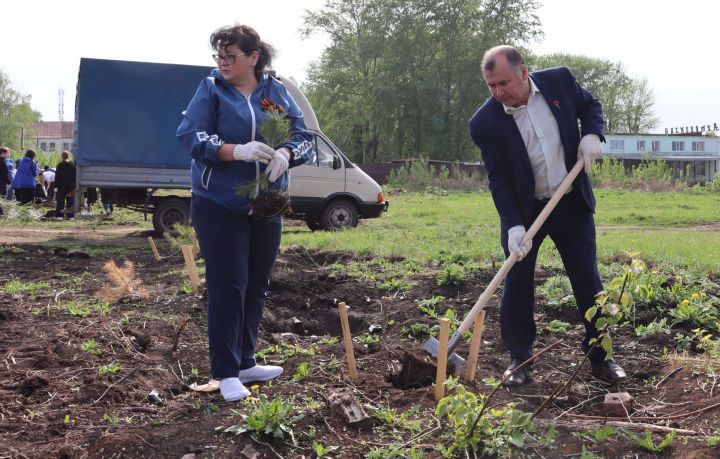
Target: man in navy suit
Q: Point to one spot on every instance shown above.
(529, 139)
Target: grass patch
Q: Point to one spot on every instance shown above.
(424, 226)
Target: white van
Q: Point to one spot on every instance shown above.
(126, 145)
(331, 192)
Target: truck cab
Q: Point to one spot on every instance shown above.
(126, 117)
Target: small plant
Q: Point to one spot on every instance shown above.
(367, 338)
(15, 286)
(90, 347)
(453, 274)
(427, 307)
(110, 368)
(394, 452)
(419, 329)
(647, 443)
(182, 235)
(321, 450)
(653, 328)
(391, 417)
(285, 351)
(558, 326)
(598, 435)
(329, 340)
(271, 419)
(558, 292)
(302, 373)
(713, 441)
(78, 309)
(396, 284)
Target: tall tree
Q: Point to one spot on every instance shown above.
(627, 103)
(15, 114)
(400, 78)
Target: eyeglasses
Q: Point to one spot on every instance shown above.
(229, 59)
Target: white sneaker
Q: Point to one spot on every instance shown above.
(260, 373)
(58, 219)
(232, 389)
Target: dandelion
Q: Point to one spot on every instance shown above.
(702, 294)
(255, 387)
(694, 295)
(684, 302)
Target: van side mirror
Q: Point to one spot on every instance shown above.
(336, 162)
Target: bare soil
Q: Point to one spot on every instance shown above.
(55, 403)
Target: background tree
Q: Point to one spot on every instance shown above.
(15, 114)
(627, 102)
(401, 78)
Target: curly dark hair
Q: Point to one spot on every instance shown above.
(247, 39)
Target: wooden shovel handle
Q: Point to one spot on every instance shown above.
(500, 276)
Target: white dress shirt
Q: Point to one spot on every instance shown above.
(539, 131)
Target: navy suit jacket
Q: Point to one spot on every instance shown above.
(511, 178)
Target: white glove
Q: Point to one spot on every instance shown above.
(515, 235)
(589, 150)
(278, 164)
(253, 151)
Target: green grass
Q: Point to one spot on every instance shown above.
(421, 226)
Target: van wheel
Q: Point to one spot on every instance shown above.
(339, 214)
(314, 225)
(168, 213)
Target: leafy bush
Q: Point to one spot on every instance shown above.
(420, 175)
(497, 431)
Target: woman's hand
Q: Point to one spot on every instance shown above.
(278, 164)
(253, 151)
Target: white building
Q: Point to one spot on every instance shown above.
(700, 152)
(49, 136)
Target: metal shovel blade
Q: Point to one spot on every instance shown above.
(432, 347)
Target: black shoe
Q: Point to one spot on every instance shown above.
(609, 371)
(517, 378)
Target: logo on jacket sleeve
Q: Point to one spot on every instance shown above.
(213, 139)
(301, 149)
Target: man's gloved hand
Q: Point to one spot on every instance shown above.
(253, 151)
(515, 235)
(589, 150)
(278, 164)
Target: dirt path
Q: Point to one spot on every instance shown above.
(34, 235)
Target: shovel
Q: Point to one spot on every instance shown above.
(432, 344)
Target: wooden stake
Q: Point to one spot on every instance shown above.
(347, 338)
(442, 358)
(191, 268)
(195, 245)
(153, 247)
(471, 364)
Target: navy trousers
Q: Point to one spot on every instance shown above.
(572, 228)
(239, 254)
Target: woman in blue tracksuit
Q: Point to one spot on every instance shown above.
(220, 130)
(26, 178)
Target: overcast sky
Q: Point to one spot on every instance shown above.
(42, 41)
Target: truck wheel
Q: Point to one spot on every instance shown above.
(339, 214)
(314, 225)
(168, 213)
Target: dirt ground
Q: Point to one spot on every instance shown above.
(58, 400)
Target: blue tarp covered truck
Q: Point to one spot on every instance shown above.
(126, 115)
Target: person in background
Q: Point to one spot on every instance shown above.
(220, 131)
(4, 181)
(106, 201)
(529, 137)
(25, 178)
(10, 167)
(65, 187)
(48, 181)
